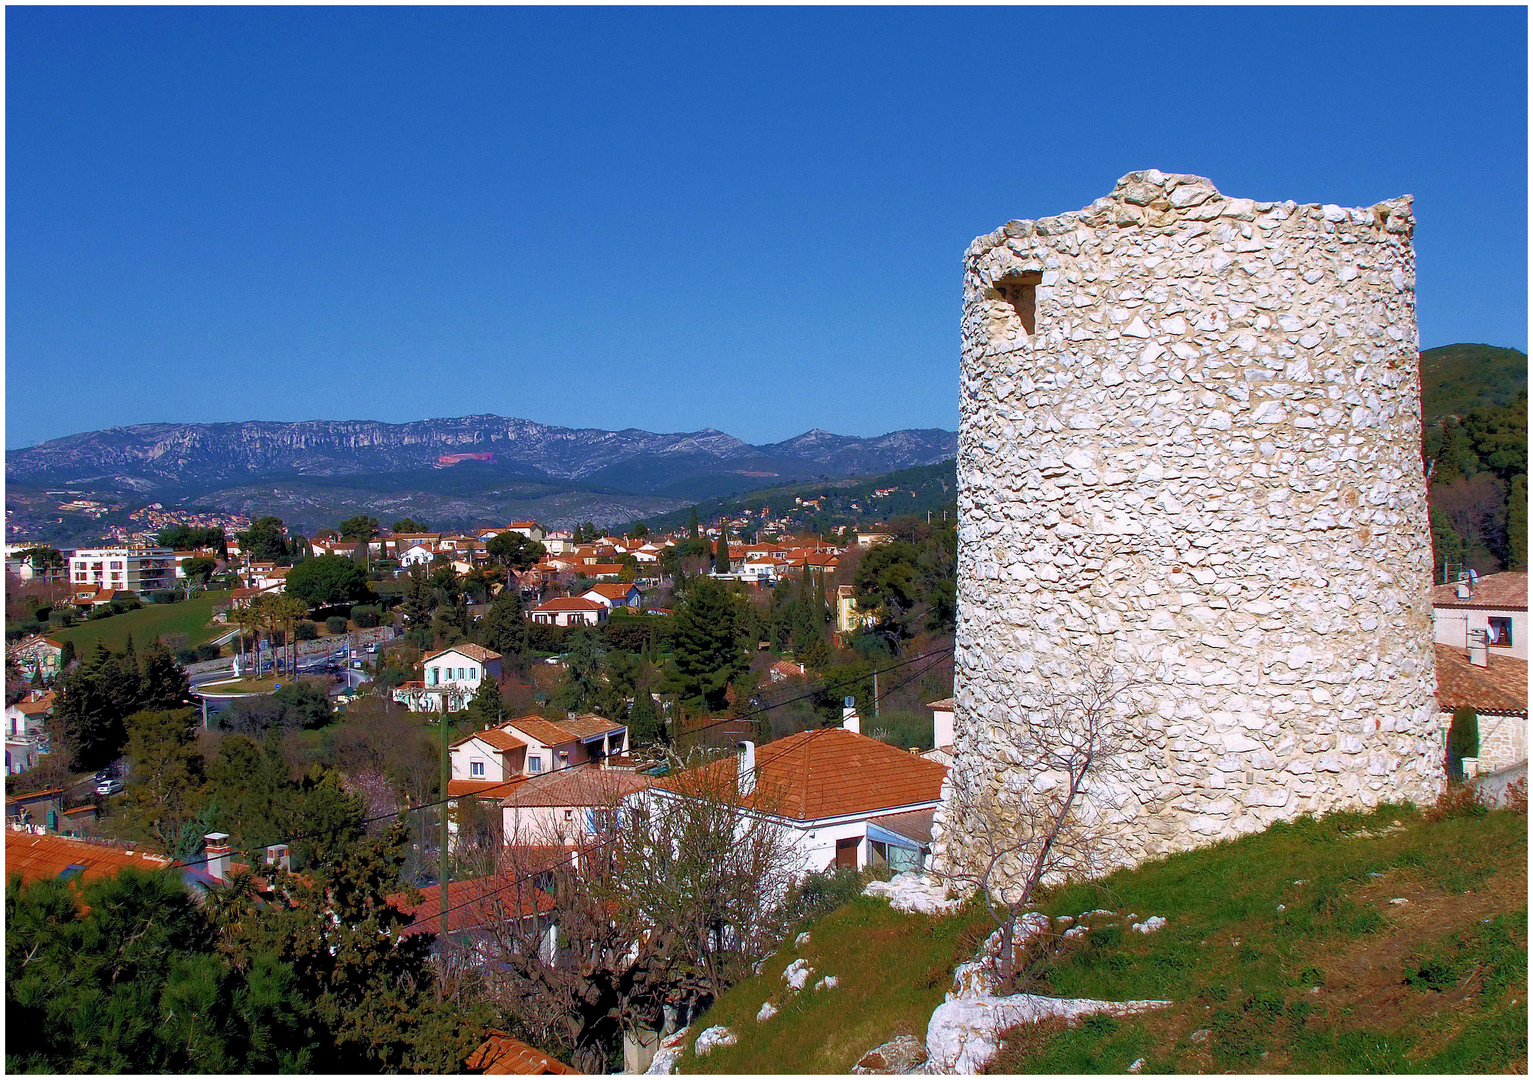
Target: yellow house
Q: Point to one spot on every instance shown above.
(848, 618)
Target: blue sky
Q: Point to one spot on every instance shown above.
(748, 219)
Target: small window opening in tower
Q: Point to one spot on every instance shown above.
(1020, 290)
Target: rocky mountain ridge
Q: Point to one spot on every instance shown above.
(183, 459)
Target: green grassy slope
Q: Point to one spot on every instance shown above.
(1338, 979)
(1456, 378)
(147, 623)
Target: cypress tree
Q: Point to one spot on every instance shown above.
(692, 525)
(721, 557)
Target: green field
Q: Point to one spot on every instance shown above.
(148, 623)
(1353, 943)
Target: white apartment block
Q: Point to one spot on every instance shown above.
(136, 569)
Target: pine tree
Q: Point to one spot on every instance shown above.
(164, 683)
(644, 727)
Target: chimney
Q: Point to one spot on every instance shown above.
(1479, 648)
(942, 728)
(745, 767)
(216, 851)
(849, 718)
(1461, 590)
(277, 855)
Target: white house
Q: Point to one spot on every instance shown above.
(416, 555)
(37, 657)
(569, 611)
(24, 729)
(454, 673)
(846, 799)
(1496, 604)
(565, 808)
(613, 594)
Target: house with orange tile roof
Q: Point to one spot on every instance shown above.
(1496, 688)
(453, 674)
(505, 1055)
(43, 858)
(1495, 606)
(569, 611)
(25, 722)
(829, 788)
(614, 594)
(559, 744)
(38, 656)
(569, 807)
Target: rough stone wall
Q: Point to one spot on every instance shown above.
(1190, 436)
(1503, 740)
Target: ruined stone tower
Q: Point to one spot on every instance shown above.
(1190, 438)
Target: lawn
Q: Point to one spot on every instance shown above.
(148, 623)
(1284, 951)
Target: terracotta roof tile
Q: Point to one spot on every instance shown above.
(499, 738)
(557, 732)
(505, 1055)
(945, 705)
(472, 903)
(570, 603)
(1502, 687)
(577, 787)
(483, 789)
(473, 652)
(1507, 590)
(38, 857)
(830, 772)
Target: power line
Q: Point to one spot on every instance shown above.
(610, 840)
(580, 765)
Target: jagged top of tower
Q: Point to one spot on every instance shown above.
(1155, 200)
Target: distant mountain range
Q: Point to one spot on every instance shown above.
(448, 470)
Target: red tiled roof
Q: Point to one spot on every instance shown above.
(473, 652)
(577, 787)
(1507, 590)
(1501, 687)
(483, 789)
(499, 738)
(504, 1055)
(827, 773)
(38, 857)
(570, 603)
(945, 705)
(472, 903)
(558, 732)
(615, 590)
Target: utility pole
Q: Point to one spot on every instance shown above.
(875, 693)
(446, 809)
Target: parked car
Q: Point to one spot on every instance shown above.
(110, 786)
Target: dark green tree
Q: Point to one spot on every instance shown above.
(164, 684)
(361, 528)
(408, 525)
(487, 707)
(644, 725)
(199, 570)
(707, 644)
(692, 524)
(504, 626)
(584, 660)
(369, 991)
(134, 983)
(721, 554)
(328, 579)
(254, 797)
(514, 551)
(166, 778)
(265, 540)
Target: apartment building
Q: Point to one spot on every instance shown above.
(136, 569)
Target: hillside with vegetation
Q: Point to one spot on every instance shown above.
(1475, 452)
(1394, 941)
(1458, 378)
(833, 504)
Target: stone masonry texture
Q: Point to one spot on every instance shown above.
(1190, 440)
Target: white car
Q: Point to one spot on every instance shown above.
(110, 786)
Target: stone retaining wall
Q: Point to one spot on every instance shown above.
(1190, 438)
